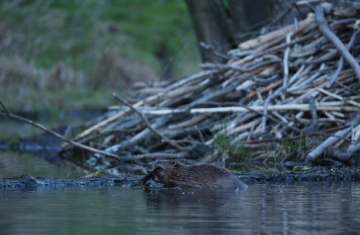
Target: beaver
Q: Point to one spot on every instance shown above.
(175, 174)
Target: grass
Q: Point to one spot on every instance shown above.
(224, 148)
(73, 54)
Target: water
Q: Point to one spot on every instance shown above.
(16, 164)
(39, 163)
(316, 208)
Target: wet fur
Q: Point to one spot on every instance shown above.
(176, 174)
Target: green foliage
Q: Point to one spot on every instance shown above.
(77, 34)
(301, 168)
(224, 146)
(71, 30)
(99, 173)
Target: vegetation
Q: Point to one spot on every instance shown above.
(58, 55)
(225, 148)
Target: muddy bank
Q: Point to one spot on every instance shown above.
(310, 175)
(28, 182)
(315, 174)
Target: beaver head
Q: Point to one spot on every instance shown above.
(165, 171)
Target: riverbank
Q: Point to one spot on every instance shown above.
(308, 174)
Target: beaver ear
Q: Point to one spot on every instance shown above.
(174, 163)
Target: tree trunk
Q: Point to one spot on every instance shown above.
(212, 26)
(224, 27)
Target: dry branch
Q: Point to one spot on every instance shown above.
(253, 43)
(328, 143)
(324, 28)
(61, 137)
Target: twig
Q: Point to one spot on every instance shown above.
(305, 2)
(61, 137)
(265, 80)
(144, 181)
(326, 31)
(265, 89)
(349, 101)
(210, 48)
(314, 121)
(190, 122)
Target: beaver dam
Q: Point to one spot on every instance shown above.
(289, 95)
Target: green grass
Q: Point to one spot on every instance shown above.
(224, 147)
(99, 46)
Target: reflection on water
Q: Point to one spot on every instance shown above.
(16, 164)
(21, 163)
(317, 208)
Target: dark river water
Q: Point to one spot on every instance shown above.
(313, 208)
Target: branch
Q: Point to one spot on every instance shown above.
(61, 137)
(323, 106)
(329, 142)
(261, 114)
(326, 31)
(341, 61)
(211, 49)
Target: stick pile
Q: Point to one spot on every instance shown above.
(296, 82)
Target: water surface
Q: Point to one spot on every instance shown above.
(316, 208)
(16, 164)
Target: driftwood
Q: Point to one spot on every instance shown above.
(296, 82)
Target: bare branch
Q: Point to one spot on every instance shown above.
(326, 31)
(61, 137)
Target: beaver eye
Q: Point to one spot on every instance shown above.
(174, 163)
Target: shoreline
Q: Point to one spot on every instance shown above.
(315, 174)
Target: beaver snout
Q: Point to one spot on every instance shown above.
(149, 167)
